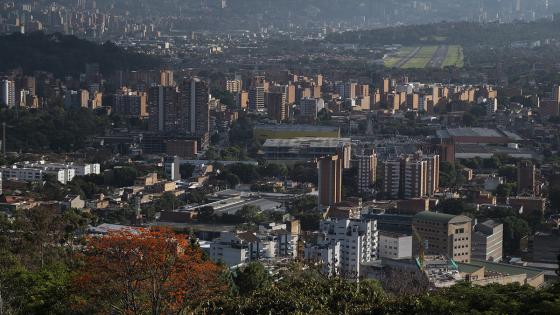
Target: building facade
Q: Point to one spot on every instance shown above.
(394, 245)
(487, 241)
(367, 172)
(330, 181)
(444, 234)
(343, 246)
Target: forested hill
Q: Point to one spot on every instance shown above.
(65, 55)
(461, 33)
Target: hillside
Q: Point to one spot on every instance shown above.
(454, 33)
(65, 55)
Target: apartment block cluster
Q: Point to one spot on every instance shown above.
(410, 177)
(273, 241)
(35, 171)
(343, 245)
(82, 18)
(36, 90)
(403, 95)
(294, 97)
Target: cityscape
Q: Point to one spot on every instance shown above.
(280, 157)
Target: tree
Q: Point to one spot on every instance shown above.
(231, 179)
(251, 278)
(448, 174)
(121, 176)
(455, 206)
(186, 170)
(273, 170)
(205, 214)
(152, 270)
(168, 201)
(506, 190)
(39, 231)
(25, 291)
(249, 214)
(514, 230)
(509, 172)
(469, 119)
(247, 173)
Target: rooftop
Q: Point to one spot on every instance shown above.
(307, 142)
(477, 132)
(503, 269)
(441, 217)
(287, 127)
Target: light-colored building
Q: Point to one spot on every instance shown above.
(487, 241)
(34, 172)
(394, 245)
(233, 249)
(444, 234)
(234, 86)
(171, 166)
(272, 241)
(8, 93)
(344, 245)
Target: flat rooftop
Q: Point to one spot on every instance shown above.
(307, 142)
(287, 127)
(477, 132)
(503, 269)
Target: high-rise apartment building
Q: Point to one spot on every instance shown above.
(410, 176)
(432, 173)
(277, 108)
(256, 98)
(291, 94)
(8, 93)
(181, 111)
(75, 99)
(257, 92)
(347, 90)
(163, 106)
(194, 97)
(330, 180)
(131, 104)
(242, 100)
(526, 178)
(414, 184)
(367, 170)
(310, 107)
(234, 86)
(166, 78)
(443, 234)
(391, 173)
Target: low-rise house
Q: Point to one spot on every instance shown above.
(72, 202)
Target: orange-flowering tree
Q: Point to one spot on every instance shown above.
(148, 271)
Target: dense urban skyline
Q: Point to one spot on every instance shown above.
(279, 157)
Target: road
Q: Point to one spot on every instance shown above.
(406, 59)
(439, 57)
